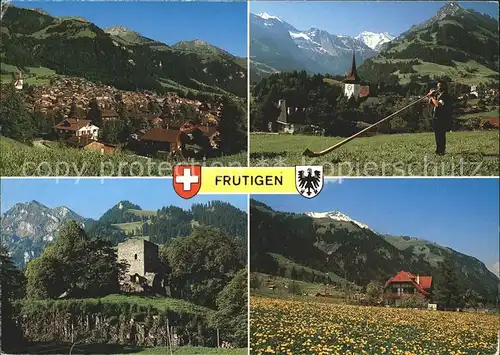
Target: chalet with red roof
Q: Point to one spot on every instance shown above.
(405, 283)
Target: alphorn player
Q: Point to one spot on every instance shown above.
(441, 118)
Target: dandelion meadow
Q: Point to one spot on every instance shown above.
(305, 327)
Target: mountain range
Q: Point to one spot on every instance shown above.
(459, 43)
(28, 227)
(283, 47)
(34, 40)
(455, 42)
(334, 244)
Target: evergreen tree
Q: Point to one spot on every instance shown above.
(448, 290)
(231, 316)
(15, 121)
(232, 128)
(94, 114)
(11, 285)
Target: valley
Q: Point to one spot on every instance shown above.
(369, 77)
(117, 93)
(323, 281)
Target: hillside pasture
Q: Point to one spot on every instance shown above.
(129, 227)
(31, 75)
(18, 159)
(280, 287)
(142, 213)
(468, 154)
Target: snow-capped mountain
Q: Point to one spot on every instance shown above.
(337, 216)
(374, 40)
(266, 16)
(280, 45)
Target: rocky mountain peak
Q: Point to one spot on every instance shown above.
(451, 8)
(119, 30)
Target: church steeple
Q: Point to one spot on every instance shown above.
(353, 77)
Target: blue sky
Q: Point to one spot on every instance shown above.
(223, 24)
(92, 197)
(352, 17)
(462, 214)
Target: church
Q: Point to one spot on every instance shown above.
(352, 82)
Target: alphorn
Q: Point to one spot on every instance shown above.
(310, 153)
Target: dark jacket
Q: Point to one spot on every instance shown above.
(442, 114)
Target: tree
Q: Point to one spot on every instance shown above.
(294, 288)
(15, 122)
(103, 269)
(70, 251)
(447, 292)
(201, 264)
(76, 264)
(472, 299)
(94, 113)
(11, 285)
(232, 306)
(232, 127)
(374, 291)
(44, 278)
(188, 113)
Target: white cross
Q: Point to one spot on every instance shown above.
(186, 179)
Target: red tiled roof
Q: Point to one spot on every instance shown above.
(424, 284)
(161, 135)
(72, 124)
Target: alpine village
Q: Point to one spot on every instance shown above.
(132, 100)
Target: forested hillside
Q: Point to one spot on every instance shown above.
(344, 250)
(76, 47)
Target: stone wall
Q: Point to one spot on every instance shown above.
(126, 324)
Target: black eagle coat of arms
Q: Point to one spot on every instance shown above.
(309, 180)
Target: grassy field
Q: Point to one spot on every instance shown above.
(491, 113)
(192, 350)
(279, 287)
(142, 213)
(288, 265)
(35, 76)
(64, 348)
(17, 159)
(468, 154)
(128, 227)
(459, 72)
(300, 327)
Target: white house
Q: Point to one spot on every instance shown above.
(77, 127)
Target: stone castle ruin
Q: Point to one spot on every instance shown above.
(146, 273)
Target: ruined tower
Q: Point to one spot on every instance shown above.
(141, 255)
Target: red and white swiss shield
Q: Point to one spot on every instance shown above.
(187, 180)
